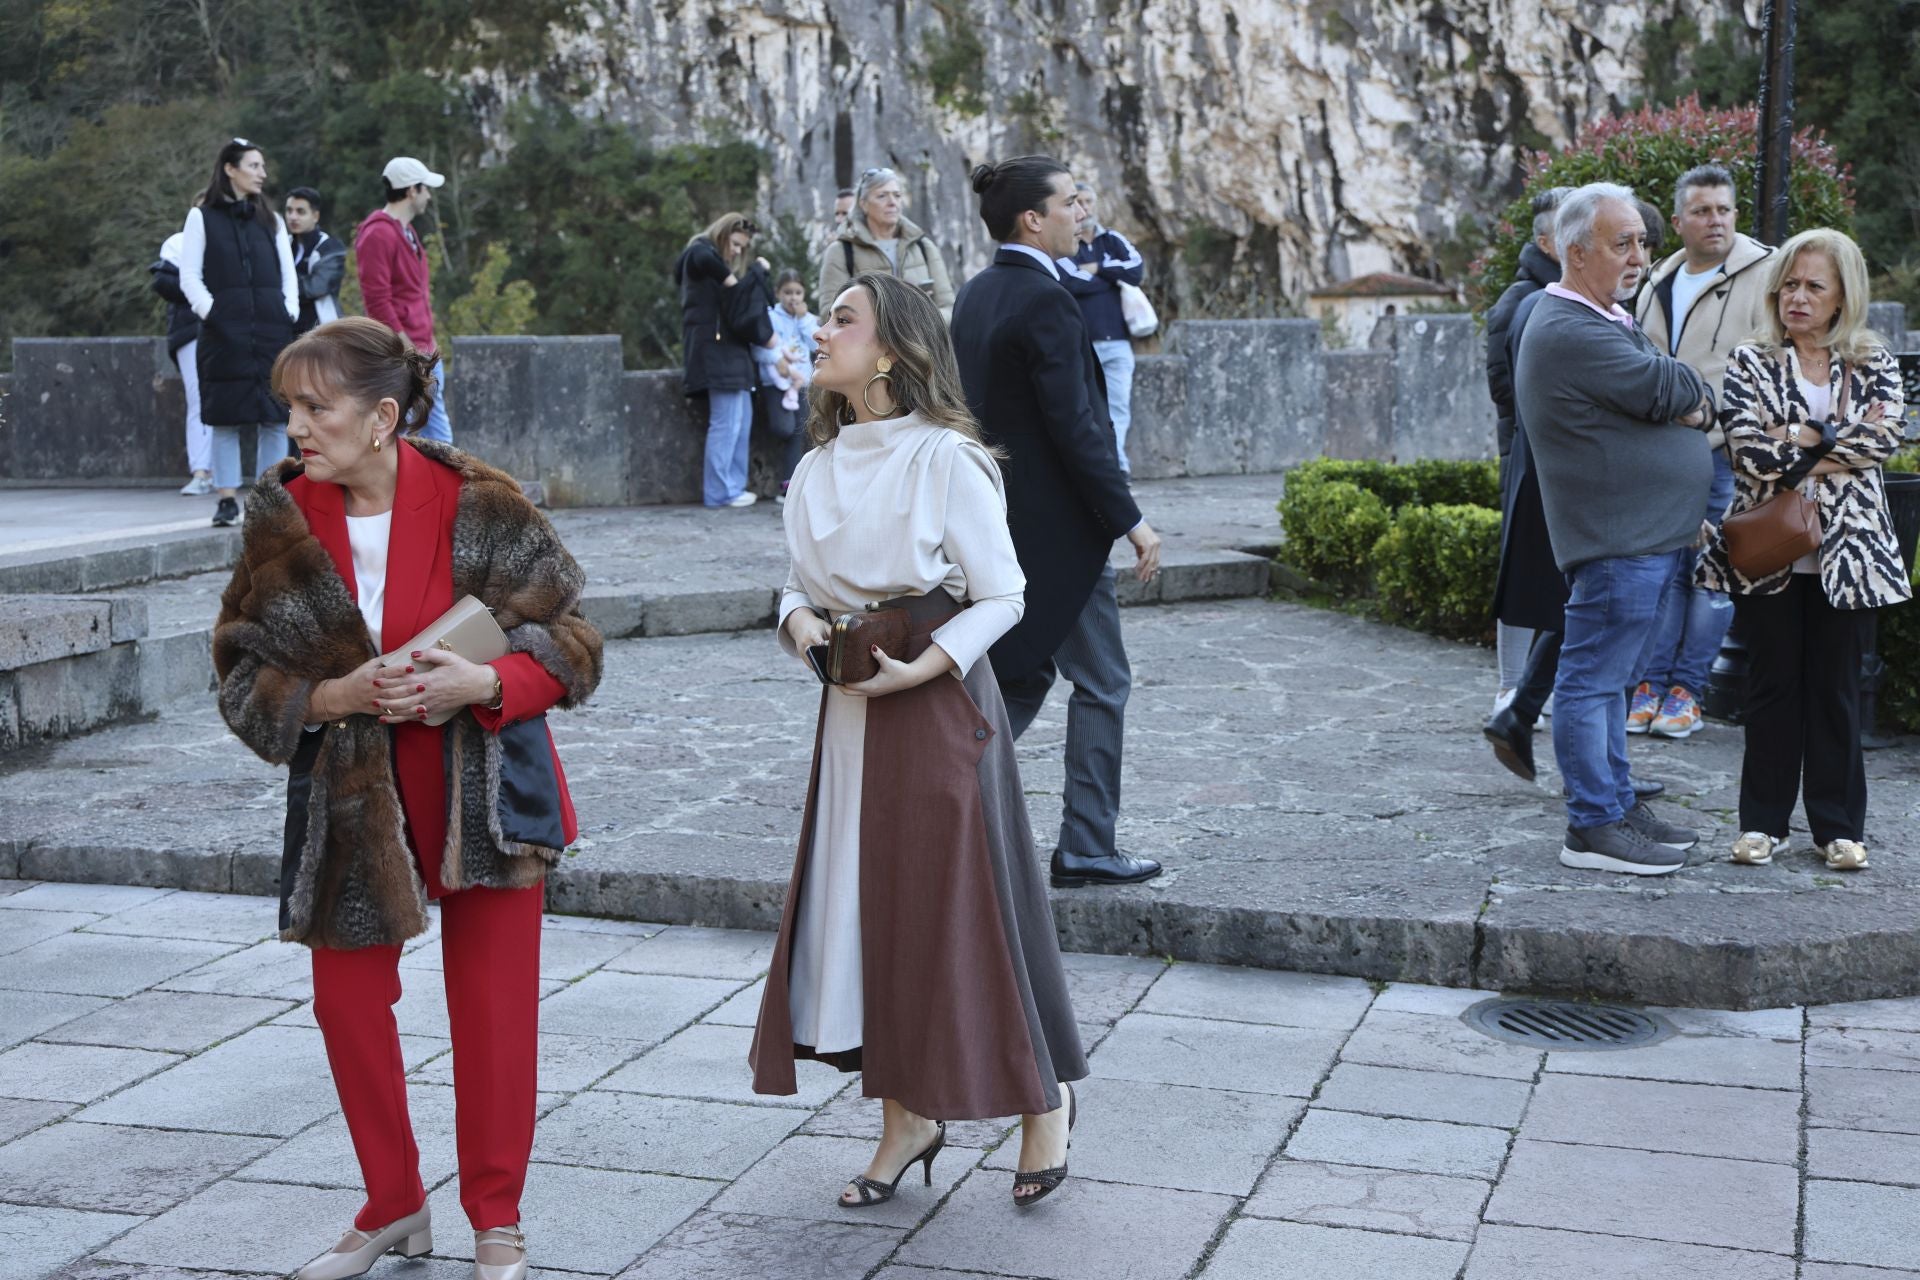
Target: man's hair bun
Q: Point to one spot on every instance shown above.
(983, 176)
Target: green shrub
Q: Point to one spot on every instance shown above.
(1405, 484)
(1435, 568)
(1331, 528)
(1438, 482)
(1907, 459)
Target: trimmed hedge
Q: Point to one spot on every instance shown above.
(1436, 567)
(1423, 536)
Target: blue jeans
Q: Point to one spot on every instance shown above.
(439, 426)
(729, 429)
(1116, 359)
(1610, 618)
(1693, 621)
(270, 445)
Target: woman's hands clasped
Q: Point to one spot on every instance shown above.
(807, 629)
(436, 681)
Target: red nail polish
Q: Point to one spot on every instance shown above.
(419, 688)
(409, 670)
(420, 711)
(416, 653)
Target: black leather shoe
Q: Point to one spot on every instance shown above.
(1078, 870)
(1512, 742)
(1643, 790)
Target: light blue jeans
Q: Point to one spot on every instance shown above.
(270, 445)
(1610, 618)
(1116, 358)
(1694, 620)
(439, 426)
(729, 431)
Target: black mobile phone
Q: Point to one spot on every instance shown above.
(817, 659)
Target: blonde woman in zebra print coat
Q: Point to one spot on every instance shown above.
(1814, 404)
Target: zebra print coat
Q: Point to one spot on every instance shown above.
(1860, 566)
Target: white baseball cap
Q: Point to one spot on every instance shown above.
(404, 171)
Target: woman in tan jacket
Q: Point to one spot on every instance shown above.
(880, 238)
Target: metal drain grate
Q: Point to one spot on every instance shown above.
(1565, 1024)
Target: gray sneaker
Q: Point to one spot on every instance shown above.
(1617, 846)
(1642, 819)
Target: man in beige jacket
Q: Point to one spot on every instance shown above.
(1700, 304)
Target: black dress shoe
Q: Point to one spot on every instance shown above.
(1078, 870)
(1646, 790)
(1512, 741)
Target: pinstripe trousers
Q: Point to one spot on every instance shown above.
(1093, 660)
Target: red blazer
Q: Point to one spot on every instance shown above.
(420, 589)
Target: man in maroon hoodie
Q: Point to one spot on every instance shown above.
(396, 285)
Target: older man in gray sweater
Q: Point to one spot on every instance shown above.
(1617, 431)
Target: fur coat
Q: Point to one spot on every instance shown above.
(288, 621)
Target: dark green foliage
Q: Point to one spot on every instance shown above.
(955, 59)
(1331, 528)
(1398, 484)
(1435, 568)
(1437, 482)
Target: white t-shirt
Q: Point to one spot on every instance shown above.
(368, 537)
(1687, 288)
(1819, 398)
(892, 249)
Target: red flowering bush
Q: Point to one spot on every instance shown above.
(1648, 151)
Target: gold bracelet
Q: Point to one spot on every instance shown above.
(499, 693)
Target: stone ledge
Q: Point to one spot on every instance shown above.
(122, 562)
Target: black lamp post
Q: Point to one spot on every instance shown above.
(1726, 692)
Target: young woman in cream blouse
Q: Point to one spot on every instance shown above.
(918, 944)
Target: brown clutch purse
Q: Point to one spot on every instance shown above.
(850, 657)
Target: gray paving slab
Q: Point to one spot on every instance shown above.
(1728, 1060)
(94, 1269)
(241, 1226)
(566, 1063)
(1840, 1271)
(706, 1061)
(635, 929)
(592, 1220)
(115, 1170)
(1734, 1204)
(1842, 1098)
(1087, 1230)
(21, 929)
(206, 917)
(1430, 1042)
(1862, 1048)
(23, 1115)
(1154, 1135)
(93, 964)
(1889, 1015)
(1864, 1224)
(74, 1073)
(1254, 995)
(633, 1006)
(280, 970)
(1858, 1155)
(661, 1135)
(699, 953)
(1418, 1146)
(100, 899)
(1527, 1253)
(1425, 1095)
(729, 1246)
(322, 1155)
(171, 1021)
(1341, 1195)
(1251, 1248)
(1216, 1055)
(743, 1008)
(1105, 989)
(1415, 997)
(26, 1014)
(38, 1240)
(1758, 1024)
(1653, 1115)
(803, 1178)
(852, 1115)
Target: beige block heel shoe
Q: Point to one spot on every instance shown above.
(410, 1237)
(498, 1237)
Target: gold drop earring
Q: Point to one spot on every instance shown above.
(885, 367)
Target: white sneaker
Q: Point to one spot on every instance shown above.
(746, 499)
(1503, 699)
(198, 487)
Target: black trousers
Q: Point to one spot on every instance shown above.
(1803, 712)
(1536, 680)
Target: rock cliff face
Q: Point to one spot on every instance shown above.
(1256, 149)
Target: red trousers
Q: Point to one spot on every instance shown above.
(490, 943)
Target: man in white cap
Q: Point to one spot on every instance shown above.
(396, 285)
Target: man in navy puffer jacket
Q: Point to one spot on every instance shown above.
(1103, 261)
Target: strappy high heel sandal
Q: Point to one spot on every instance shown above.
(872, 1193)
(1048, 1180)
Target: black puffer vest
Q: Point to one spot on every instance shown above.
(248, 325)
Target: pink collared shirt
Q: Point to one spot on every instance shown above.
(1617, 314)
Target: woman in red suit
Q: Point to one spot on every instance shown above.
(349, 552)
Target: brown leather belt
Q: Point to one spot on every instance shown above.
(932, 609)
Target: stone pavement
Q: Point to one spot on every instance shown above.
(166, 1113)
(1316, 784)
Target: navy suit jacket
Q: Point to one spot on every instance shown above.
(1033, 383)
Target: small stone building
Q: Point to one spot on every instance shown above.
(1351, 309)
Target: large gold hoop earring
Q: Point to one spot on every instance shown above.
(885, 367)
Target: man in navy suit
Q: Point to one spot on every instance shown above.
(1033, 382)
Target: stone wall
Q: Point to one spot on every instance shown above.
(1226, 397)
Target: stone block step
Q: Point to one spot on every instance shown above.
(120, 562)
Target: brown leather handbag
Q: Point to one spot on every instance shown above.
(1765, 539)
(890, 624)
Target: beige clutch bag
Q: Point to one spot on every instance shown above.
(467, 629)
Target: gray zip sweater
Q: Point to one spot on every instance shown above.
(1618, 477)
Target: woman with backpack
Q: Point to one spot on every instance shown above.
(723, 305)
(879, 237)
(236, 272)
